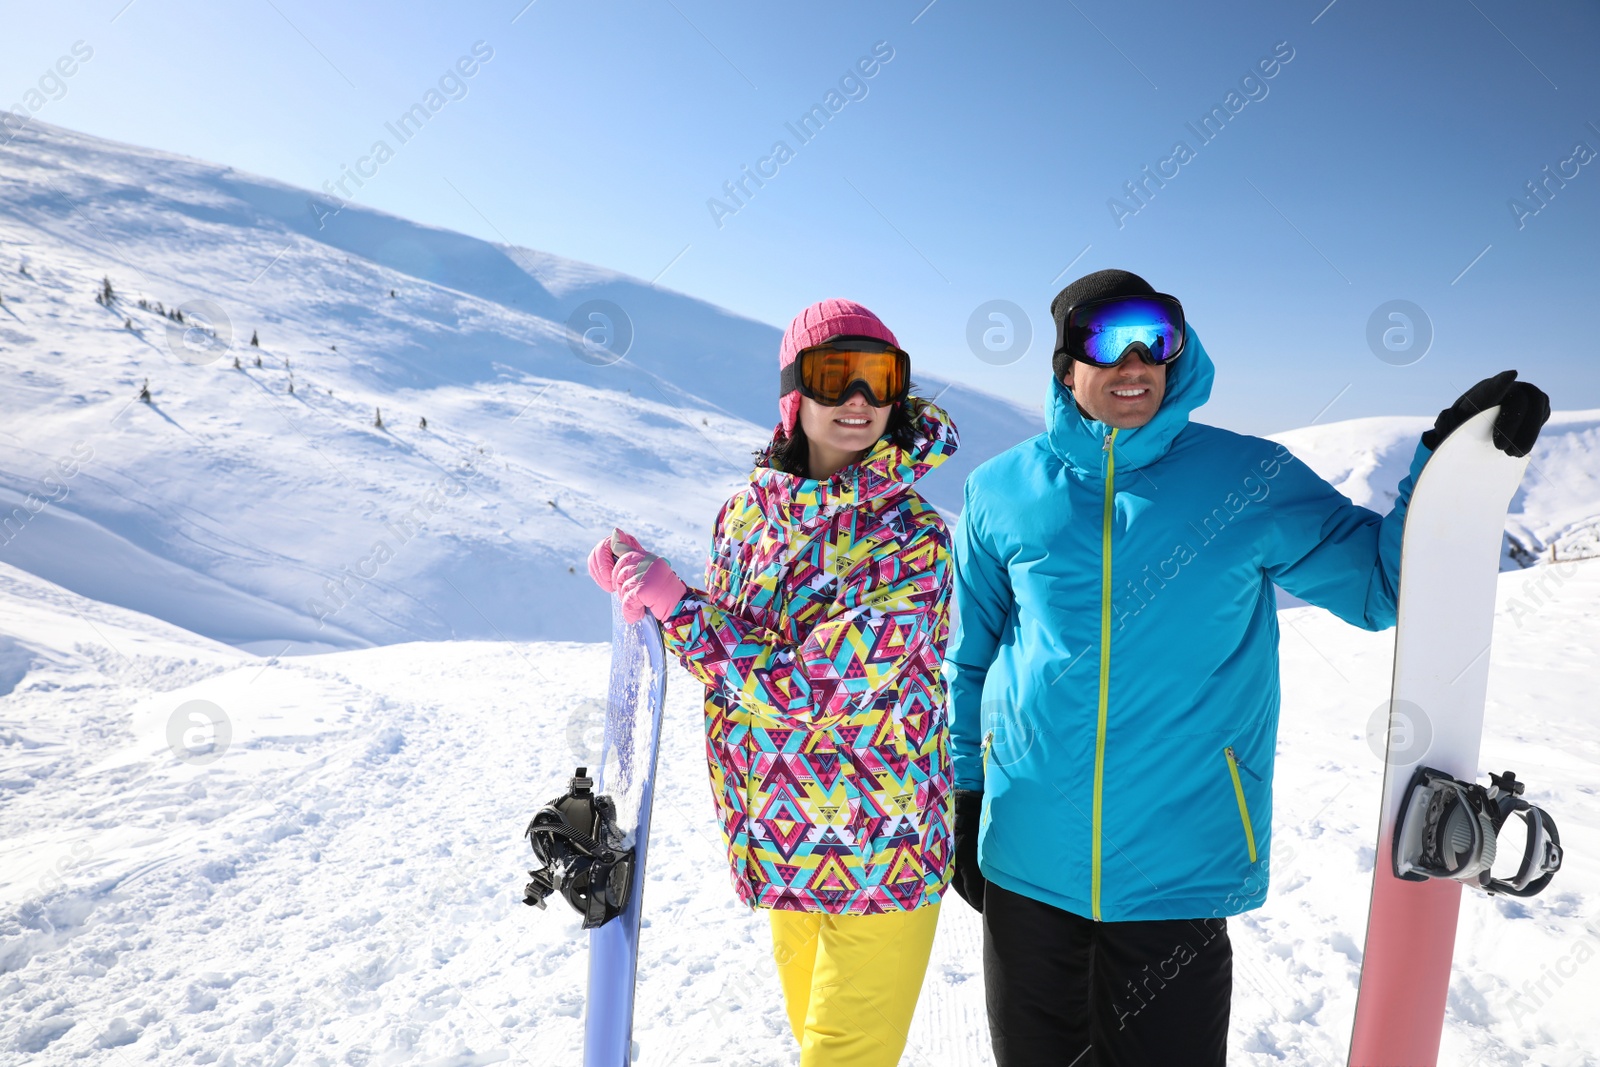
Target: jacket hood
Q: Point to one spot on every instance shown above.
(1080, 440)
(886, 471)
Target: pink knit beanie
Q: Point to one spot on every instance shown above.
(814, 325)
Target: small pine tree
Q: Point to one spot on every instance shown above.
(107, 293)
(334, 347)
(144, 391)
(255, 339)
(144, 305)
(178, 314)
(422, 423)
(258, 361)
(127, 323)
(22, 267)
(391, 294)
(377, 417)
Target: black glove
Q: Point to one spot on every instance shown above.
(1523, 410)
(967, 879)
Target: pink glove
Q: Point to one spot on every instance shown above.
(603, 558)
(646, 582)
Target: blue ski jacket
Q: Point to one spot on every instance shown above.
(1114, 668)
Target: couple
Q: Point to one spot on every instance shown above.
(1106, 756)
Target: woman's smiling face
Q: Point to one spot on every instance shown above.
(838, 436)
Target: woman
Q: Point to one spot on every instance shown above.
(819, 639)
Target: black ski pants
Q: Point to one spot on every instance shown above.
(1065, 991)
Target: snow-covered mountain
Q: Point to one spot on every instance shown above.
(266, 506)
(1555, 514)
(272, 519)
(213, 856)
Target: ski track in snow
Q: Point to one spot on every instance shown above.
(342, 885)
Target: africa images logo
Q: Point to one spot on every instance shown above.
(1253, 87)
(852, 86)
(451, 85)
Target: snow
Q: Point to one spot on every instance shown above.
(1556, 509)
(340, 883)
(233, 832)
(228, 503)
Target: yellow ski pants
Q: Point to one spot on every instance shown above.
(850, 982)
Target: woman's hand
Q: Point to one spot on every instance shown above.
(603, 558)
(644, 581)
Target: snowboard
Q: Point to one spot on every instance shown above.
(632, 734)
(1449, 562)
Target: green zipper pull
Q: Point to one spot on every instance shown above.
(988, 742)
(1235, 757)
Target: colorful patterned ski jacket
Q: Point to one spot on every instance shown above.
(820, 638)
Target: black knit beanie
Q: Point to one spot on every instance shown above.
(1096, 286)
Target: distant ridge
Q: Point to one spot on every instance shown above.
(254, 515)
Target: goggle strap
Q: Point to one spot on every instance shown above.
(789, 378)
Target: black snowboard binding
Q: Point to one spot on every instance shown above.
(576, 837)
(1449, 828)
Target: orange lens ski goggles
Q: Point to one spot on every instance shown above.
(828, 373)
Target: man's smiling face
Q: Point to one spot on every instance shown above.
(1124, 397)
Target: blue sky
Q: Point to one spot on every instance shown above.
(978, 161)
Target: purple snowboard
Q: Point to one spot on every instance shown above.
(627, 774)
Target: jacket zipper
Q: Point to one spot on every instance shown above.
(1238, 794)
(1105, 669)
(988, 742)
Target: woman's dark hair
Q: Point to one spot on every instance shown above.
(792, 454)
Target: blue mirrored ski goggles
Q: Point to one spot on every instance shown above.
(1103, 333)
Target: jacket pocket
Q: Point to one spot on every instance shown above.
(1234, 766)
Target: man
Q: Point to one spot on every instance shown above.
(1114, 680)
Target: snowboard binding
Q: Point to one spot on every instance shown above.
(576, 838)
(1450, 828)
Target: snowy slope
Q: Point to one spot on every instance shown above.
(340, 882)
(1556, 509)
(208, 855)
(228, 504)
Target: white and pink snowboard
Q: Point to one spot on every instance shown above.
(1449, 561)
